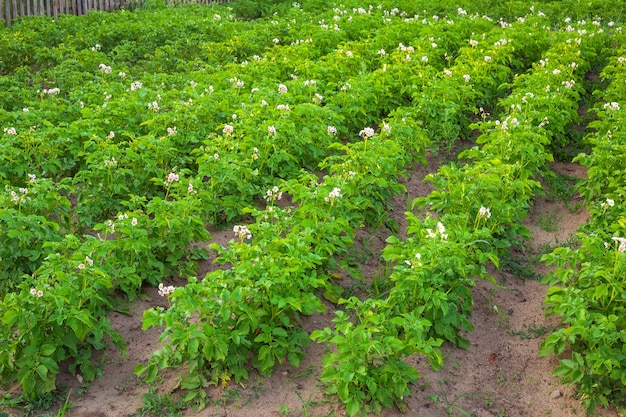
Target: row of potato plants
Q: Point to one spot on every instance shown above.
(170, 198)
(223, 368)
(58, 311)
(118, 177)
(367, 370)
(177, 124)
(248, 315)
(186, 317)
(371, 182)
(587, 287)
(93, 157)
(479, 208)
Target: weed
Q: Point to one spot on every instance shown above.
(66, 406)
(503, 316)
(452, 409)
(506, 381)
(549, 222)
(424, 385)
(40, 402)
(532, 331)
(159, 405)
(256, 389)
(488, 400)
(284, 410)
(380, 282)
(519, 268)
(361, 251)
(561, 187)
(228, 396)
(305, 404)
(307, 372)
(572, 242)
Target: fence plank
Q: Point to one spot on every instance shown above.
(13, 9)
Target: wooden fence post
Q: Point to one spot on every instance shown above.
(9, 9)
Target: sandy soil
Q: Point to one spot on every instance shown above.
(500, 375)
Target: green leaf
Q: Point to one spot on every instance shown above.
(371, 386)
(152, 373)
(88, 370)
(190, 396)
(42, 371)
(193, 346)
(343, 391)
(140, 369)
(264, 352)
(51, 364)
(80, 330)
(279, 331)
(347, 376)
(10, 317)
(191, 382)
(353, 406)
(333, 292)
(47, 350)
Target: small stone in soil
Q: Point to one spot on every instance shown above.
(556, 394)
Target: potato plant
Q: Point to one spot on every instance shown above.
(126, 136)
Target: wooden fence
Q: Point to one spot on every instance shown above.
(11, 9)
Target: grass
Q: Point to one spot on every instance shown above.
(532, 331)
(42, 402)
(519, 267)
(451, 407)
(571, 242)
(561, 186)
(549, 221)
(159, 405)
(304, 404)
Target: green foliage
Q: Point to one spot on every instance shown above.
(125, 135)
(586, 292)
(159, 405)
(587, 286)
(366, 371)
